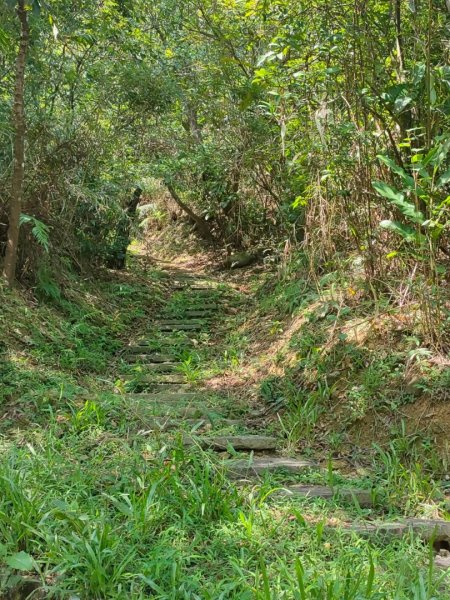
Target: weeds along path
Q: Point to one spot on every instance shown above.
(158, 477)
(167, 387)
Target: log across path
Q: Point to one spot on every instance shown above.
(247, 455)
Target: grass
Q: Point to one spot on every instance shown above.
(97, 504)
(105, 518)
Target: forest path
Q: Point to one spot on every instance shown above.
(179, 404)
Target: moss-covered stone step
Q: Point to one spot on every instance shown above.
(167, 423)
(143, 351)
(163, 397)
(166, 342)
(195, 285)
(202, 293)
(165, 367)
(259, 466)
(195, 305)
(155, 378)
(434, 530)
(176, 410)
(238, 442)
(192, 314)
(365, 498)
(180, 326)
(189, 316)
(179, 321)
(168, 388)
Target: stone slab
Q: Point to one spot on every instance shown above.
(162, 397)
(167, 423)
(428, 529)
(363, 497)
(139, 354)
(266, 464)
(169, 378)
(179, 321)
(180, 326)
(238, 442)
(165, 367)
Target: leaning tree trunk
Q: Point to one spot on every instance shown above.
(18, 122)
(201, 224)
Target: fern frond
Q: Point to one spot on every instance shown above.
(40, 230)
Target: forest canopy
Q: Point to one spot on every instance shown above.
(263, 120)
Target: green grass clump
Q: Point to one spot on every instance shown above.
(97, 503)
(95, 515)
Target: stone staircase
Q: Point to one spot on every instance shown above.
(175, 404)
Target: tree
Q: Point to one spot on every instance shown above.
(18, 122)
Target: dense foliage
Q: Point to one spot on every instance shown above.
(263, 118)
(311, 134)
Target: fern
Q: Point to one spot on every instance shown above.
(46, 285)
(4, 40)
(40, 230)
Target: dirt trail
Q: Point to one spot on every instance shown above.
(179, 405)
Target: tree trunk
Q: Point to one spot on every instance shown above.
(18, 122)
(201, 224)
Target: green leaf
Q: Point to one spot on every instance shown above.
(401, 103)
(443, 179)
(405, 231)
(398, 199)
(395, 168)
(20, 561)
(268, 55)
(35, 7)
(433, 94)
(386, 191)
(40, 230)
(4, 39)
(437, 155)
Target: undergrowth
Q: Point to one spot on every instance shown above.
(95, 503)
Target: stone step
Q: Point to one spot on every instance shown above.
(164, 341)
(167, 388)
(166, 367)
(143, 348)
(188, 316)
(147, 358)
(206, 313)
(167, 423)
(435, 530)
(258, 466)
(173, 410)
(203, 306)
(157, 379)
(179, 321)
(180, 326)
(194, 286)
(363, 497)
(162, 397)
(201, 292)
(168, 342)
(238, 442)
